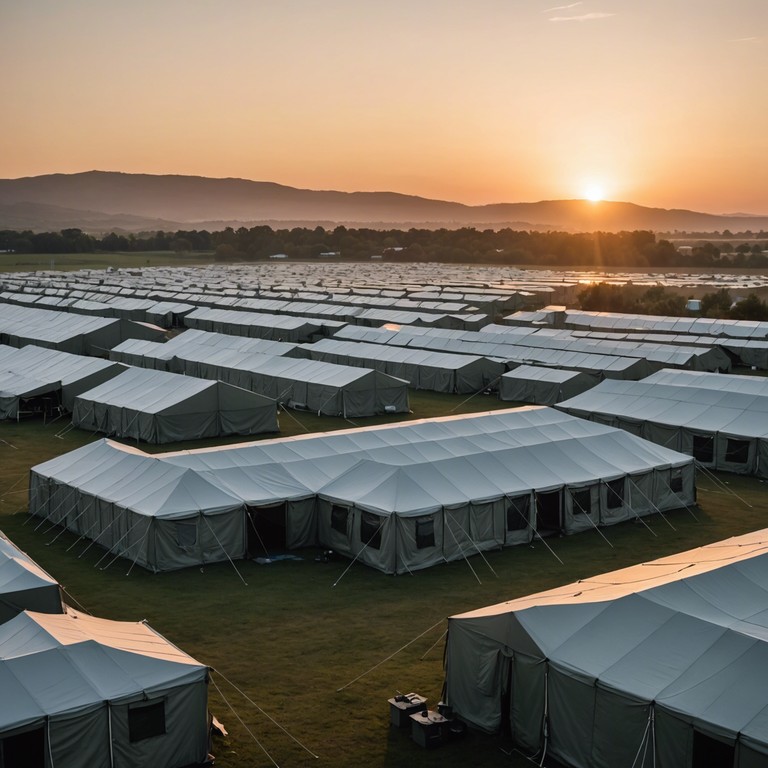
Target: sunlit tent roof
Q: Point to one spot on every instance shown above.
(745, 329)
(24, 585)
(455, 475)
(161, 407)
(719, 419)
(87, 691)
(652, 660)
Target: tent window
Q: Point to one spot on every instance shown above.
(425, 533)
(517, 513)
(24, 750)
(146, 720)
(339, 517)
(370, 530)
(186, 534)
(582, 501)
(711, 753)
(704, 448)
(737, 451)
(615, 496)
(676, 484)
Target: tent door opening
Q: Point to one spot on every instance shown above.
(711, 753)
(24, 750)
(548, 512)
(266, 529)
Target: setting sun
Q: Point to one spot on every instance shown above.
(594, 193)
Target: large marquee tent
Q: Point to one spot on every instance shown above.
(397, 497)
(161, 407)
(78, 690)
(663, 664)
(719, 419)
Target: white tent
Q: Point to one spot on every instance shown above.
(719, 419)
(543, 386)
(398, 497)
(326, 388)
(24, 585)
(437, 371)
(161, 407)
(661, 664)
(61, 374)
(80, 691)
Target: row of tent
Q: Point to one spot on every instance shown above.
(397, 498)
(660, 665)
(275, 370)
(719, 419)
(133, 403)
(78, 334)
(514, 344)
(77, 690)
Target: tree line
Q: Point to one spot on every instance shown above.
(465, 245)
(636, 300)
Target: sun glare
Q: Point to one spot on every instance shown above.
(593, 193)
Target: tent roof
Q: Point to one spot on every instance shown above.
(18, 571)
(404, 469)
(53, 664)
(705, 408)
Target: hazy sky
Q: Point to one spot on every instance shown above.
(659, 102)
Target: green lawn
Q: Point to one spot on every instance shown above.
(68, 262)
(290, 639)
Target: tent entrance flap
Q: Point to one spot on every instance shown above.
(23, 750)
(266, 530)
(549, 511)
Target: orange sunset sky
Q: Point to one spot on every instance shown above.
(658, 102)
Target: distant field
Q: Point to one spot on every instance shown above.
(291, 639)
(70, 262)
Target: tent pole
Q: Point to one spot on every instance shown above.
(48, 739)
(109, 724)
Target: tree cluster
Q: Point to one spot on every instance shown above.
(598, 250)
(630, 299)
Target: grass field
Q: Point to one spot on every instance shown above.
(298, 633)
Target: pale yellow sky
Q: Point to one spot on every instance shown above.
(658, 102)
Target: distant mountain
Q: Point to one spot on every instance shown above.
(99, 201)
